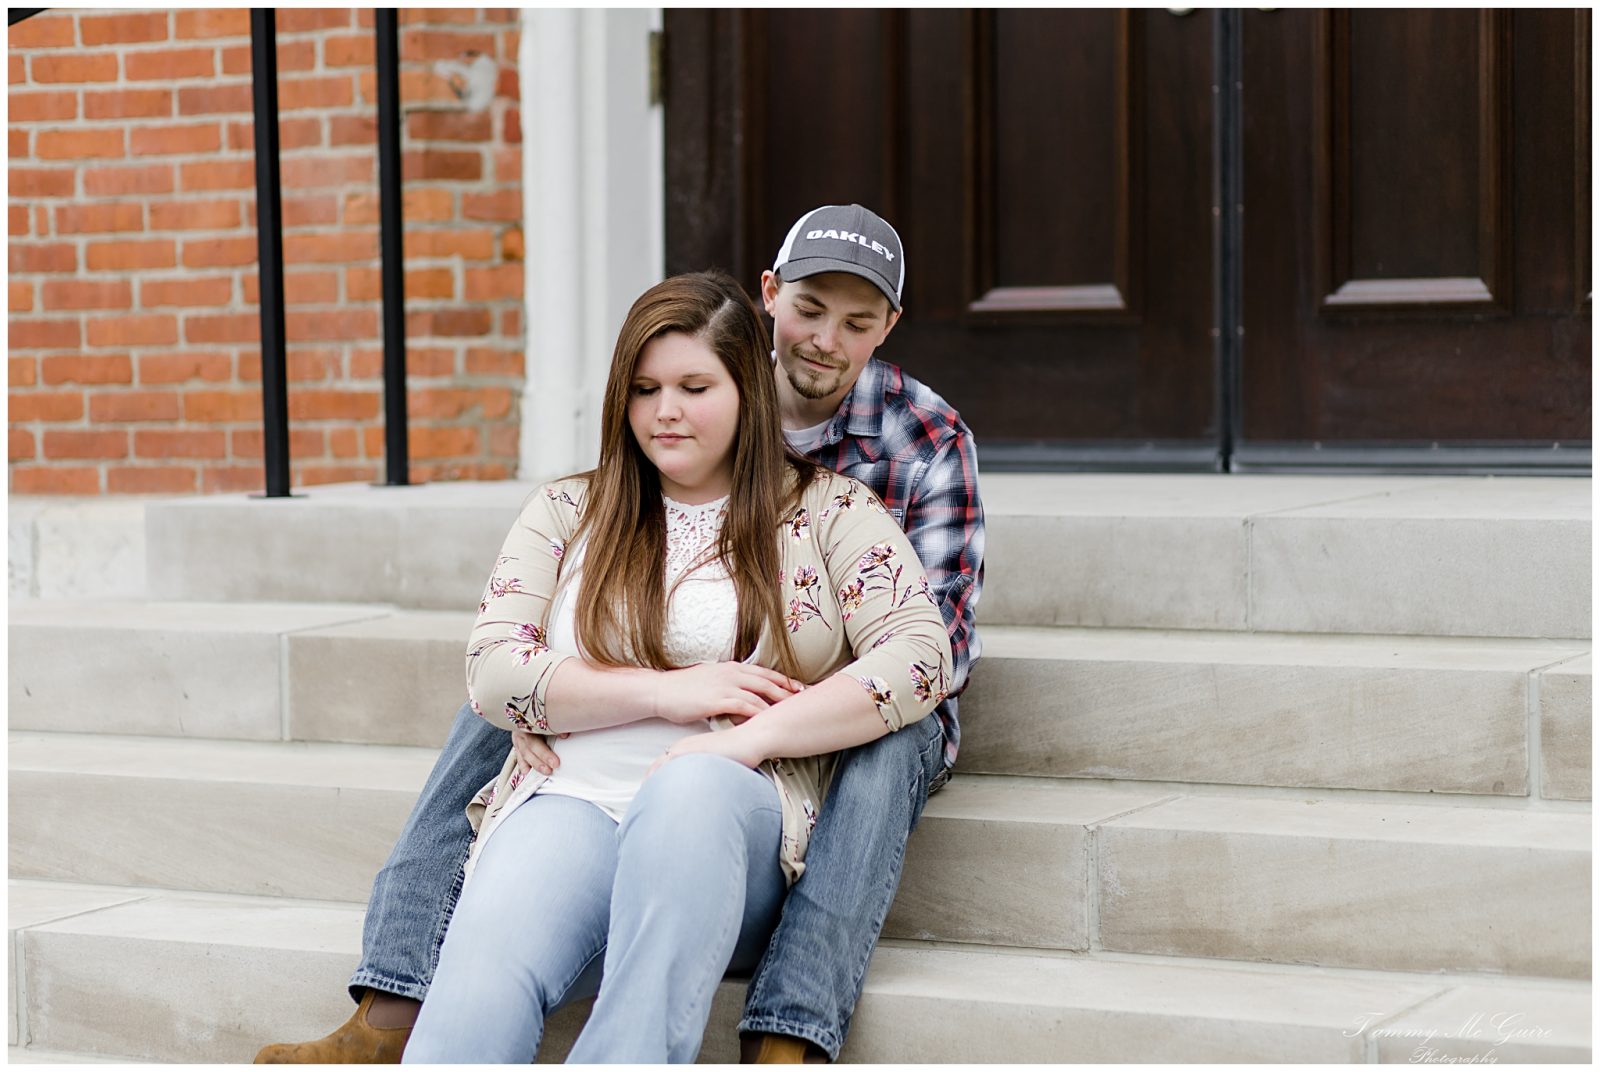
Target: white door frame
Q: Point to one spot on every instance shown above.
(593, 216)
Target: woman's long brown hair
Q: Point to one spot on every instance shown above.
(621, 599)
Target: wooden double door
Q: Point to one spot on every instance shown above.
(1216, 240)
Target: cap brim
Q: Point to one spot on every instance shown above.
(810, 266)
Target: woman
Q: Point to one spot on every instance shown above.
(709, 618)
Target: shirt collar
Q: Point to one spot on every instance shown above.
(861, 412)
(862, 408)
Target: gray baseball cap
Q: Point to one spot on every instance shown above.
(845, 238)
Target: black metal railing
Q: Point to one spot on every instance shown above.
(269, 239)
(269, 227)
(397, 458)
(269, 252)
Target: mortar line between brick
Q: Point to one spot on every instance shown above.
(1092, 864)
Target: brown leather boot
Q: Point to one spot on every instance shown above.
(355, 1042)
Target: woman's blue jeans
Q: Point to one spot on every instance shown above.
(811, 974)
(651, 912)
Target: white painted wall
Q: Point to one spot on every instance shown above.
(593, 216)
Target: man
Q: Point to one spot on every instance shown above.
(834, 294)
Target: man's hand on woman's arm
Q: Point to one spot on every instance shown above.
(534, 752)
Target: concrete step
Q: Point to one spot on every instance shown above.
(281, 819)
(23, 1055)
(1070, 865)
(1026, 862)
(192, 977)
(1566, 716)
(428, 546)
(1309, 711)
(1405, 887)
(31, 904)
(1459, 556)
(360, 673)
(1295, 710)
(1452, 556)
(75, 546)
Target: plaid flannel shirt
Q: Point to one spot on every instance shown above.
(908, 445)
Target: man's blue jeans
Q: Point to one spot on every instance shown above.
(416, 889)
(810, 978)
(811, 974)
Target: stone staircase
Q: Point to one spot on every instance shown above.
(1254, 768)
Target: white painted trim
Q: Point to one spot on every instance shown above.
(547, 60)
(593, 216)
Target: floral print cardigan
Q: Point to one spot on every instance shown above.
(857, 603)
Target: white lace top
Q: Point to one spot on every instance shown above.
(607, 766)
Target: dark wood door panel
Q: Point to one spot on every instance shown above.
(1412, 159)
(1408, 268)
(1582, 193)
(1414, 263)
(1053, 232)
(704, 119)
(1027, 159)
(1059, 195)
(827, 88)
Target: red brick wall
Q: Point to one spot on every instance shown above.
(133, 325)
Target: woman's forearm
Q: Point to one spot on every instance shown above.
(583, 696)
(826, 717)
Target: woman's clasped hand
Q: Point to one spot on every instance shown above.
(737, 690)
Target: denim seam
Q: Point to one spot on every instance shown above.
(448, 913)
